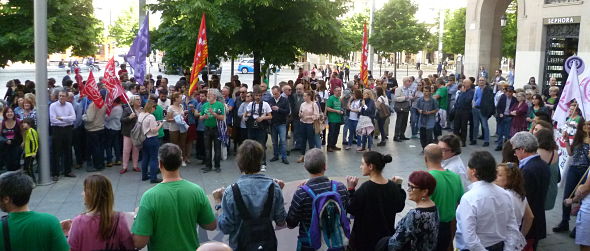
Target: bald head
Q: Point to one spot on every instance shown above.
(214, 246)
(433, 154)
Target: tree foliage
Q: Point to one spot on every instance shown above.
(125, 28)
(70, 24)
(509, 32)
(454, 32)
(352, 31)
(395, 28)
(275, 30)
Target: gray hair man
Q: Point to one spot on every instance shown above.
(536, 175)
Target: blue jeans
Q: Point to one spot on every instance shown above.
(480, 118)
(113, 143)
(278, 135)
(298, 135)
(352, 131)
(345, 128)
(150, 157)
(414, 117)
(308, 135)
(364, 140)
(503, 129)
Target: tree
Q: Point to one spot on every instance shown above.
(454, 33)
(352, 31)
(274, 30)
(395, 29)
(509, 32)
(125, 28)
(70, 24)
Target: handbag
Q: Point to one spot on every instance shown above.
(402, 106)
(382, 109)
(319, 124)
(576, 205)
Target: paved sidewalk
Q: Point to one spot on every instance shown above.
(64, 198)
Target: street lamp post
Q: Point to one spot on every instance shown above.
(503, 21)
(40, 22)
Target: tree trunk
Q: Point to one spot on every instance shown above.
(395, 66)
(231, 71)
(256, 80)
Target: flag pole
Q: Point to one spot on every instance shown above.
(580, 91)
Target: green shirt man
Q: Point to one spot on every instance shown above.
(34, 231)
(442, 96)
(447, 194)
(159, 114)
(209, 109)
(334, 107)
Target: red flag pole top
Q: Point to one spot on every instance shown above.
(201, 54)
(364, 64)
(91, 90)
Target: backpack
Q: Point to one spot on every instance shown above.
(383, 110)
(137, 134)
(256, 234)
(330, 228)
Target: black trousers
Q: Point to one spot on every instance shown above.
(79, 141)
(61, 149)
(333, 132)
(200, 145)
(426, 136)
(460, 124)
(211, 142)
(29, 167)
(12, 154)
(95, 144)
(444, 236)
(401, 123)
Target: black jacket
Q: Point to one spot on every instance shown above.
(502, 104)
(536, 175)
(280, 116)
(487, 102)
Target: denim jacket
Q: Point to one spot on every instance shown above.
(254, 189)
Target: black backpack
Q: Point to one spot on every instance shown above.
(256, 234)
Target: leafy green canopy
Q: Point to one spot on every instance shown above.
(70, 24)
(352, 30)
(125, 28)
(454, 32)
(275, 30)
(396, 29)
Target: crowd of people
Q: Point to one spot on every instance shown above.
(481, 206)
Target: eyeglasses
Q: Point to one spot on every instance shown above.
(412, 187)
(444, 150)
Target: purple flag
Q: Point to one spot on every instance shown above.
(136, 57)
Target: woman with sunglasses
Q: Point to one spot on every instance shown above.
(509, 177)
(418, 230)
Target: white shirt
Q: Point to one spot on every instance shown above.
(485, 216)
(519, 206)
(354, 105)
(265, 109)
(165, 105)
(455, 164)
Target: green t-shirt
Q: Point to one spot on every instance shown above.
(443, 101)
(34, 231)
(334, 103)
(159, 114)
(169, 213)
(447, 193)
(217, 107)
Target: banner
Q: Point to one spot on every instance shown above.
(136, 57)
(91, 90)
(200, 58)
(365, 54)
(113, 85)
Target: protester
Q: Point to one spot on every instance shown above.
(402, 99)
(442, 97)
(112, 125)
(426, 107)
(510, 178)
(381, 103)
(31, 146)
(450, 146)
(128, 121)
(582, 219)
(309, 112)
(61, 117)
(94, 121)
(12, 137)
(370, 225)
(548, 153)
(354, 107)
(251, 203)
(518, 114)
(177, 131)
(418, 230)
(278, 129)
(161, 214)
(28, 230)
(506, 103)
(211, 112)
(414, 115)
(482, 225)
(300, 211)
(365, 127)
(258, 115)
(28, 110)
(446, 195)
(151, 143)
(578, 153)
(99, 226)
(463, 110)
(335, 113)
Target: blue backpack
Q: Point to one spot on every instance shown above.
(330, 227)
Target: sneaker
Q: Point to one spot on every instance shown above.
(263, 168)
(562, 227)
(381, 143)
(285, 161)
(206, 169)
(486, 144)
(217, 169)
(347, 148)
(335, 148)
(183, 163)
(110, 164)
(274, 159)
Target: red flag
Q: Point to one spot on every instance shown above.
(364, 64)
(91, 90)
(201, 54)
(113, 85)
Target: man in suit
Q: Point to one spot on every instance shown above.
(536, 175)
(505, 104)
(278, 130)
(483, 108)
(463, 110)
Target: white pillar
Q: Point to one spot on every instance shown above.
(40, 22)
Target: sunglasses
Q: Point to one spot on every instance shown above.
(412, 187)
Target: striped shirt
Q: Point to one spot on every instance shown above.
(300, 210)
